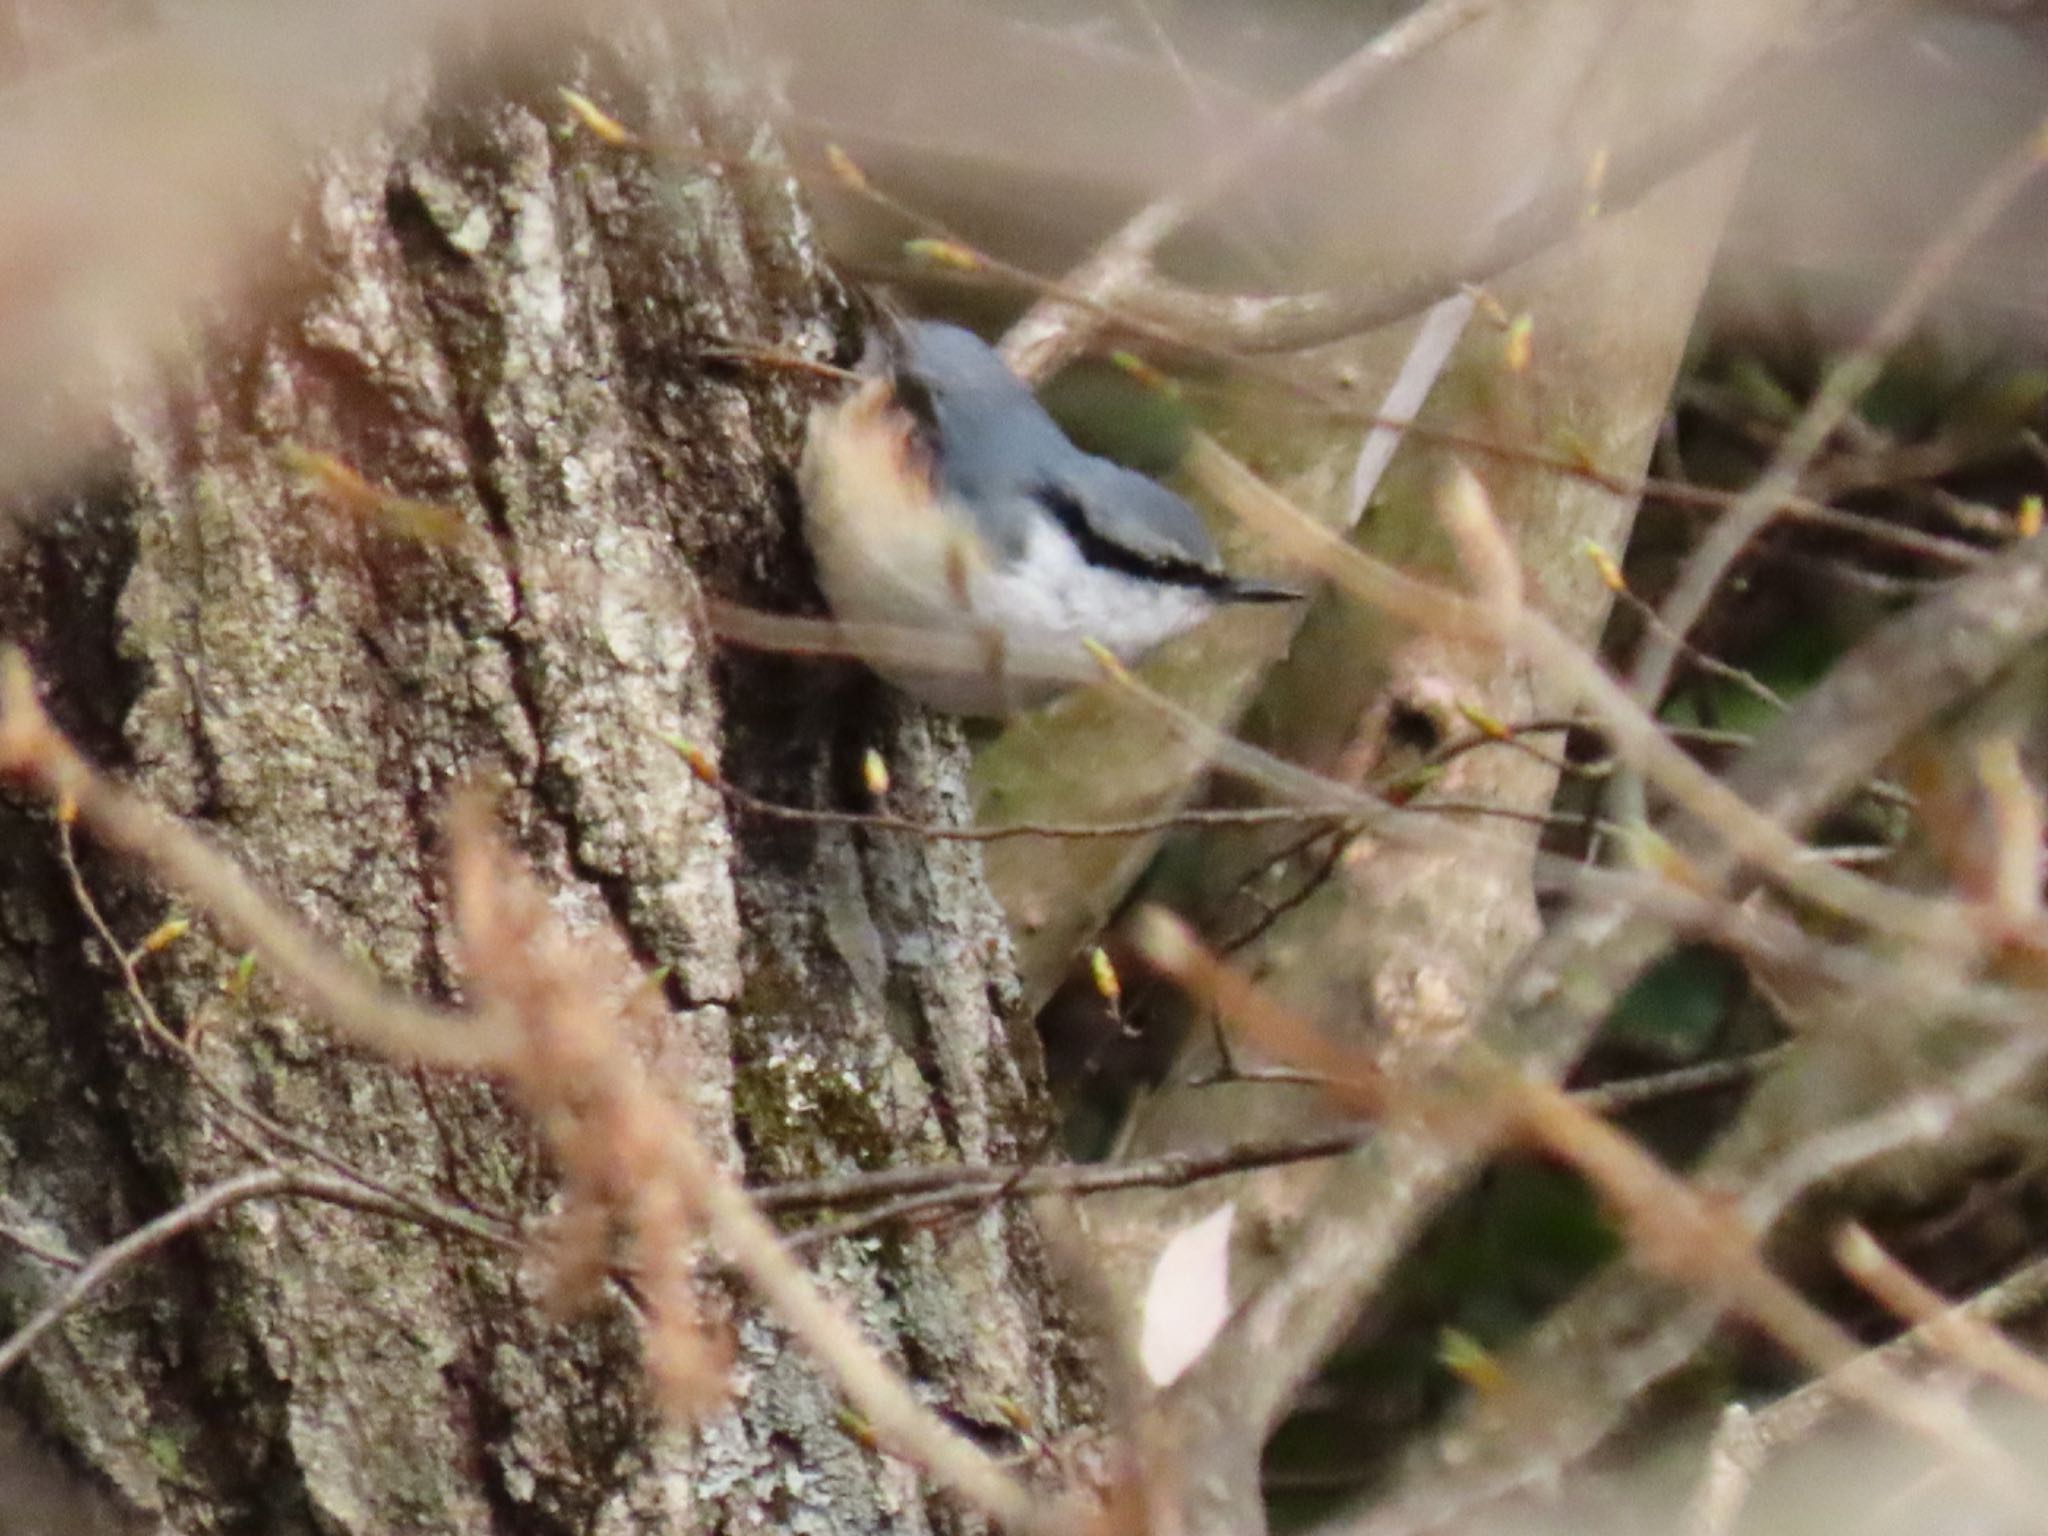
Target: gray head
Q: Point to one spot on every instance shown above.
(989, 433)
(998, 454)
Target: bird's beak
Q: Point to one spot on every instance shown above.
(1238, 590)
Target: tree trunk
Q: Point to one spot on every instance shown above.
(494, 311)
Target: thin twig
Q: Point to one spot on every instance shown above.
(34, 751)
(110, 1261)
(1975, 1343)
(425, 1209)
(1337, 815)
(1713, 666)
(1748, 1437)
(1288, 322)
(905, 1193)
(1796, 1415)
(1638, 737)
(1048, 334)
(751, 1245)
(897, 1194)
(1845, 384)
(35, 1248)
(1676, 1228)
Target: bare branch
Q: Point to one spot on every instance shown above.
(1747, 1438)
(901, 1193)
(1289, 322)
(1051, 333)
(1967, 1339)
(190, 1214)
(1845, 384)
(1898, 678)
(1638, 737)
(1675, 1227)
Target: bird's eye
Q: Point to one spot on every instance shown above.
(914, 395)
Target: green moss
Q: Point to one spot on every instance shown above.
(166, 1454)
(796, 1104)
(797, 1108)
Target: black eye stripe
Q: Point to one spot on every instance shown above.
(914, 396)
(1107, 553)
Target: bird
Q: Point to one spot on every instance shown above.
(971, 551)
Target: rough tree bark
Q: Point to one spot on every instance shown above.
(508, 319)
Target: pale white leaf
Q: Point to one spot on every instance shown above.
(1188, 1297)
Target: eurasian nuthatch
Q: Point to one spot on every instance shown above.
(970, 547)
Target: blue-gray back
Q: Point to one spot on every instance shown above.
(1004, 456)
